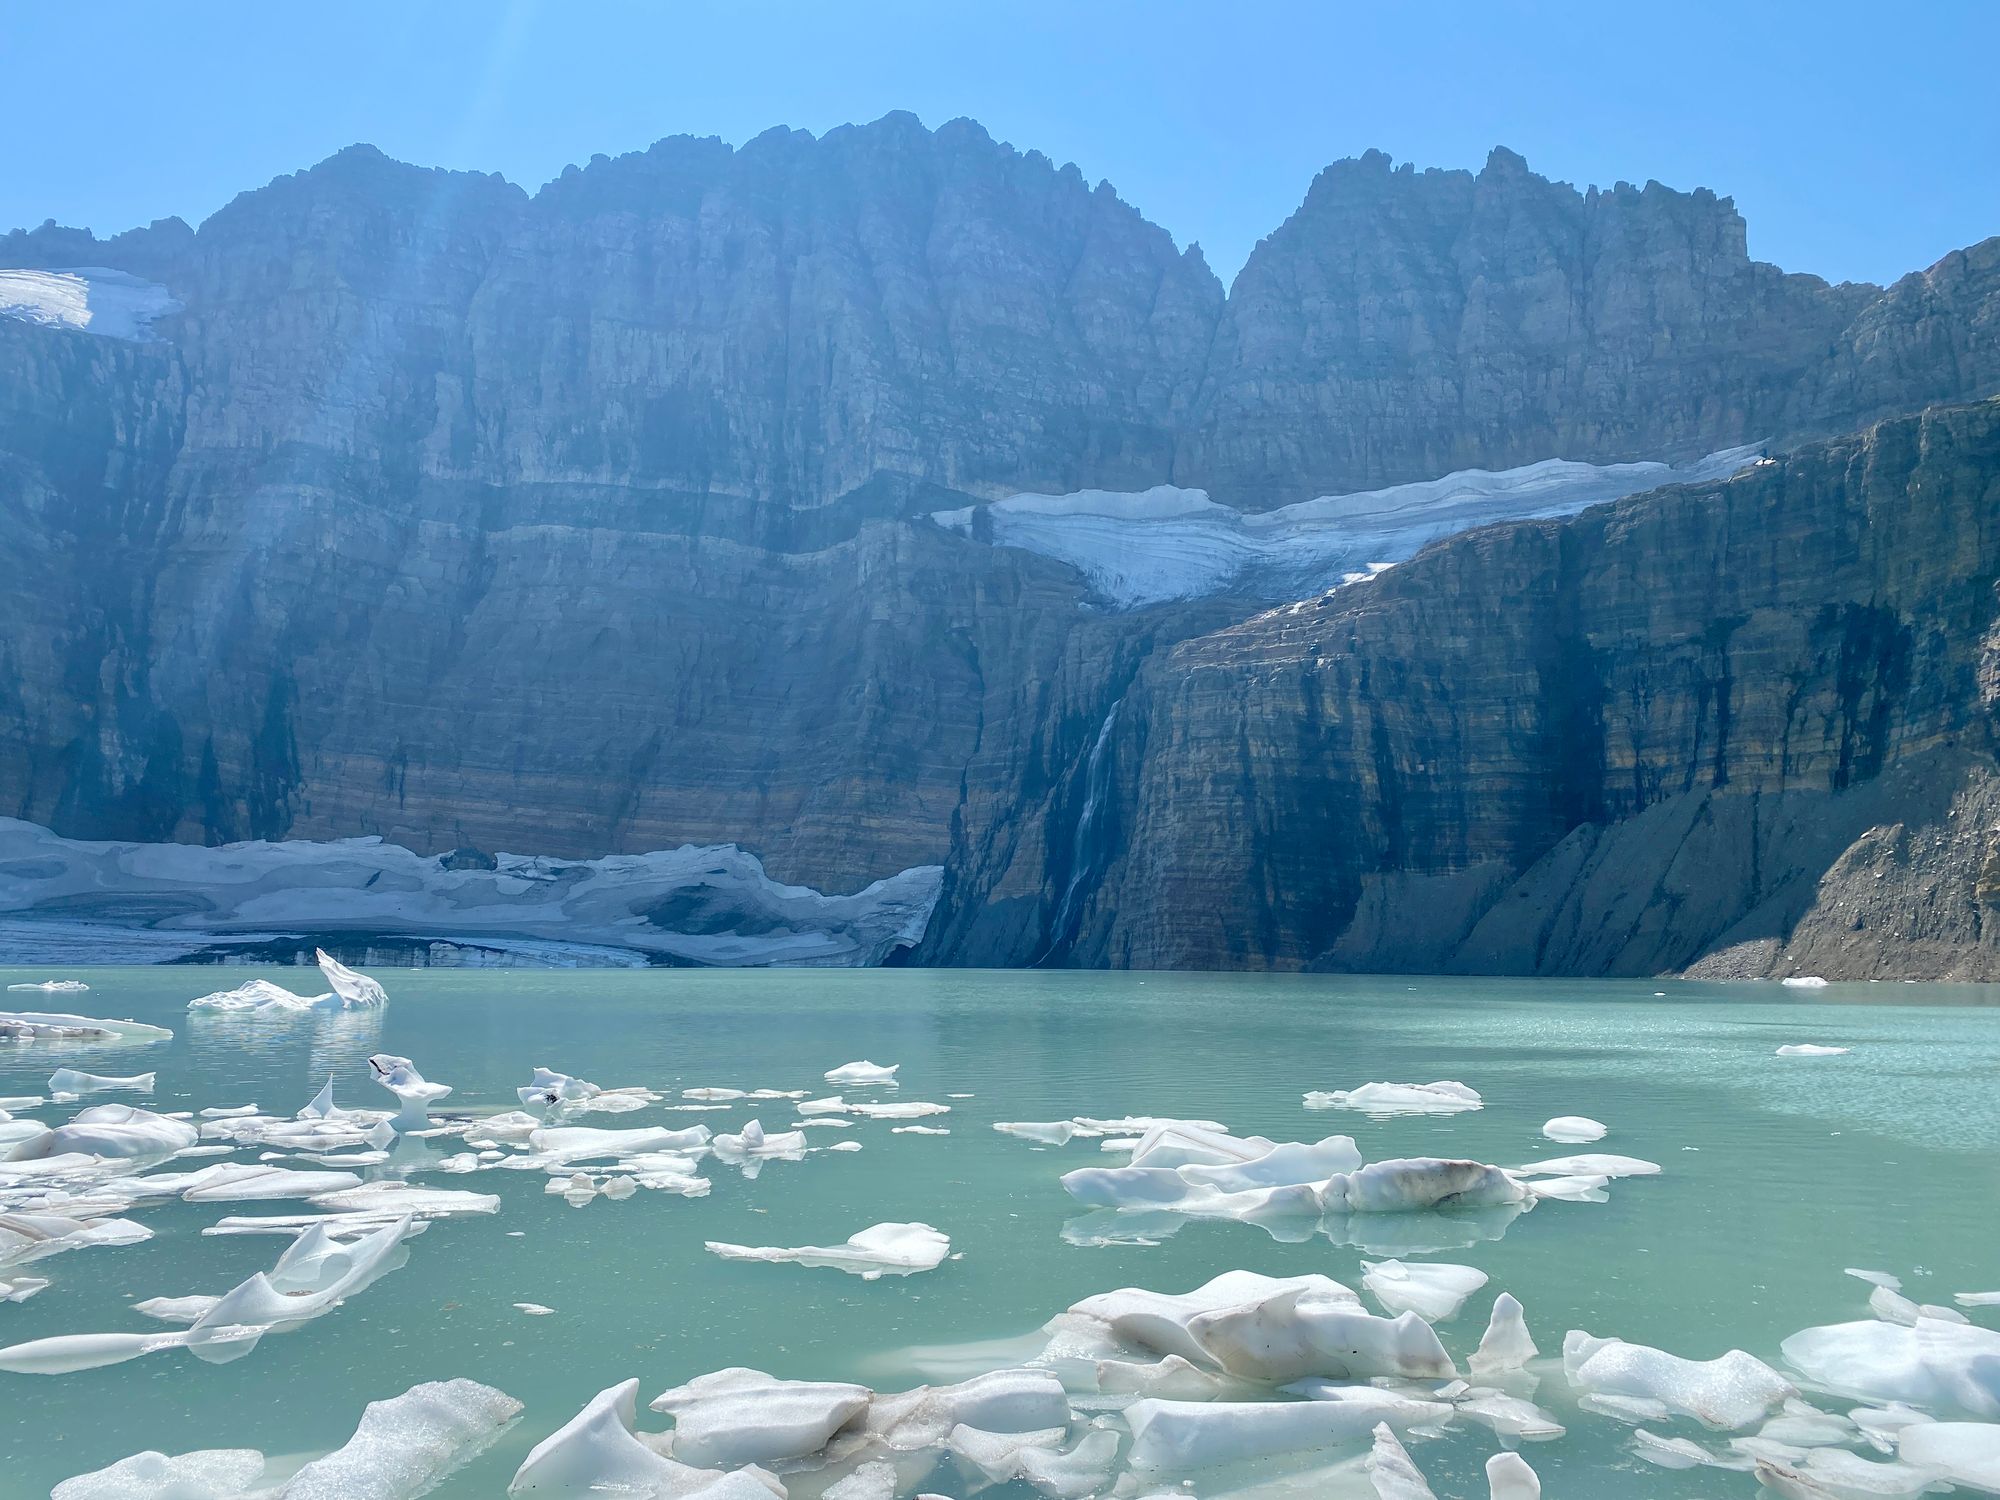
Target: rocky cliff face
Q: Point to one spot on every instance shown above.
(593, 520)
(1748, 728)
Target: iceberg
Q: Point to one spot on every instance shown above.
(194, 897)
(356, 991)
(1573, 1130)
(260, 997)
(1383, 1100)
(1137, 548)
(414, 1096)
(1730, 1392)
(881, 1249)
(1434, 1292)
(856, 1073)
(740, 1416)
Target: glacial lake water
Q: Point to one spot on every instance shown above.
(1778, 1173)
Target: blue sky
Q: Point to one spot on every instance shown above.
(1859, 141)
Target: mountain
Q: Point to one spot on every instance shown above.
(600, 520)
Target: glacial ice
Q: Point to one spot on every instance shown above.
(1508, 1477)
(1433, 1291)
(740, 1416)
(414, 1096)
(1150, 546)
(859, 1073)
(86, 299)
(1383, 1100)
(193, 895)
(1730, 1392)
(1391, 1471)
(880, 1249)
(1573, 1130)
(1948, 1367)
(1178, 1436)
(1506, 1344)
(206, 1474)
(46, 1025)
(74, 1084)
(1964, 1453)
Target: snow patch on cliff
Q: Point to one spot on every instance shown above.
(1168, 543)
(91, 299)
(701, 904)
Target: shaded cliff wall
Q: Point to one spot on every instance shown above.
(1577, 747)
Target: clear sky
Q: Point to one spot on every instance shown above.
(1860, 141)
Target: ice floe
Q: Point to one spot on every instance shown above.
(1729, 1392)
(1384, 1100)
(1573, 1130)
(192, 895)
(1433, 1291)
(1145, 547)
(880, 1249)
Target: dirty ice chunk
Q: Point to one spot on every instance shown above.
(891, 1249)
(1435, 1292)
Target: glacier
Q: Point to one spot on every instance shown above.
(1166, 543)
(90, 299)
(154, 902)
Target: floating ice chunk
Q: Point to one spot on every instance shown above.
(1177, 1436)
(1294, 1336)
(414, 1096)
(1160, 1322)
(56, 1026)
(832, 1106)
(997, 1455)
(1391, 1470)
(1570, 1189)
(26, 1237)
(1732, 1391)
(1046, 1132)
(597, 1452)
(20, 1288)
(229, 1112)
(24, 1140)
(354, 990)
(1418, 1183)
(912, 1109)
(1966, 1453)
(207, 1474)
(753, 1141)
(1810, 1049)
(1435, 1292)
(70, 1081)
(1508, 1477)
(1506, 1344)
(1511, 1418)
(55, 986)
(857, 1073)
(713, 1094)
(1284, 1165)
(1803, 982)
(913, 1129)
(584, 1143)
(1573, 1129)
(1590, 1165)
(881, 1249)
(1893, 1307)
(1445, 1097)
(1976, 1299)
(549, 1088)
(1876, 1278)
(263, 998)
(741, 1416)
(1802, 1425)
(534, 1309)
(1082, 1471)
(407, 1445)
(241, 1182)
(1935, 1365)
(397, 1199)
(322, 1106)
(121, 1130)
(1831, 1474)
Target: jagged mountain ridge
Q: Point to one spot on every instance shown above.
(583, 521)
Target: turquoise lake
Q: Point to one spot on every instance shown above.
(1778, 1173)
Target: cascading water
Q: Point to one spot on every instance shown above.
(1082, 867)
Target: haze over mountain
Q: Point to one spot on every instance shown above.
(602, 520)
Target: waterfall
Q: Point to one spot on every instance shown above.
(1081, 866)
